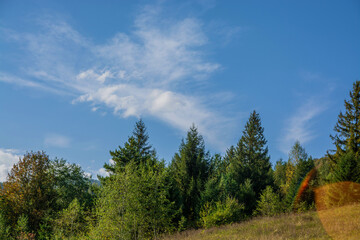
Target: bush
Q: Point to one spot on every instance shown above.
(269, 203)
(221, 213)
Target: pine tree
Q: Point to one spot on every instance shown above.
(347, 137)
(347, 140)
(141, 138)
(251, 160)
(190, 171)
(135, 149)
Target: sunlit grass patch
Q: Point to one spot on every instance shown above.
(288, 226)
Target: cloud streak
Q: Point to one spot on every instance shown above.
(144, 72)
(298, 126)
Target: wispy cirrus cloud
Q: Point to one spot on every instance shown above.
(8, 157)
(143, 72)
(298, 126)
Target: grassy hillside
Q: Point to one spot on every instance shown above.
(340, 223)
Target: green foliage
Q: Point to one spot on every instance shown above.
(190, 169)
(347, 168)
(323, 167)
(247, 196)
(4, 228)
(347, 128)
(280, 175)
(136, 149)
(22, 230)
(28, 191)
(221, 213)
(249, 160)
(133, 204)
(298, 166)
(71, 222)
(71, 182)
(341, 193)
(346, 160)
(269, 203)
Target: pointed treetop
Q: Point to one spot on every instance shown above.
(347, 128)
(141, 138)
(297, 154)
(253, 136)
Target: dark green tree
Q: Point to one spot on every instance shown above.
(135, 149)
(347, 168)
(250, 159)
(190, 167)
(347, 128)
(71, 182)
(346, 159)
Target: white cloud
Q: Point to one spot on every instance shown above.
(8, 157)
(298, 126)
(102, 172)
(140, 73)
(56, 140)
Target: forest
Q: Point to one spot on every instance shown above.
(146, 198)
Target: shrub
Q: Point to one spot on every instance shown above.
(221, 213)
(269, 203)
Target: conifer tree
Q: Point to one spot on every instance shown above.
(347, 140)
(347, 128)
(190, 171)
(280, 175)
(251, 160)
(135, 149)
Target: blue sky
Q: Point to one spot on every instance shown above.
(76, 75)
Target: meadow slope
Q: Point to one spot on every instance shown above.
(339, 223)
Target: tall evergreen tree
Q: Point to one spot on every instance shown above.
(135, 149)
(190, 171)
(347, 139)
(251, 160)
(141, 138)
(347, 128)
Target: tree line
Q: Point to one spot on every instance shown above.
(144, 198)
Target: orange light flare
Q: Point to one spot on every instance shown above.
(338, 207)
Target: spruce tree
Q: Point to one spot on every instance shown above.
(347, 128)
(136, 149)
(251, 155)
(347, 140)
(190, 170)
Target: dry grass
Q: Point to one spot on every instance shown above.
(339, 223)
(342, 222)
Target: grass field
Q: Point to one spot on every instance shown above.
(338, 223)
